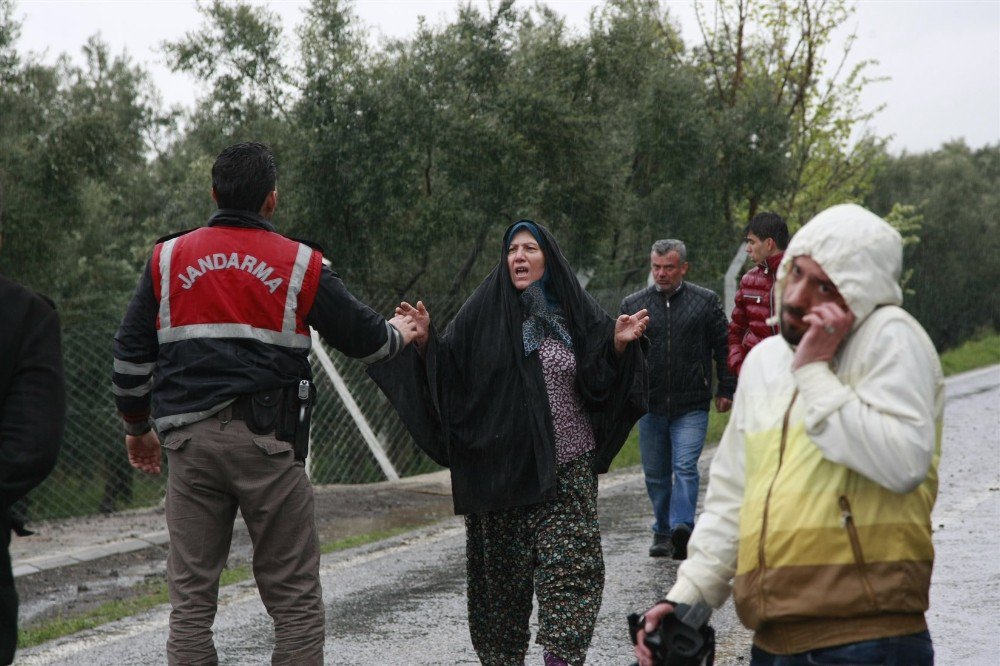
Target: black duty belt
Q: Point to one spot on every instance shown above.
(272, 411)
(239, 409)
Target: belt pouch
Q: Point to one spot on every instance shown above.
(262, 417)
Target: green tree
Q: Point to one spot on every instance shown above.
(237, 52)
(786, 125)
(955, 192)
(407, 161)
(74, 142)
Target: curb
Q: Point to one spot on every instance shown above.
(89, 554)
(433, 483)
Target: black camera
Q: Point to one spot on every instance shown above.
(683, 638)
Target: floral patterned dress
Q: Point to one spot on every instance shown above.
(552, 549)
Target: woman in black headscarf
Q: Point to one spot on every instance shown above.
(528, 394)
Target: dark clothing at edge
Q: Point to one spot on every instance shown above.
(32, 419)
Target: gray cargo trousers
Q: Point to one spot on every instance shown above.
(214, 467)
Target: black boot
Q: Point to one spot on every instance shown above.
(679, 538)
(661, 546)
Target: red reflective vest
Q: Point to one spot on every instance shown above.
(224, 311)
(232, 282)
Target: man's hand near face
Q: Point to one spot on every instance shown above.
(829, 323)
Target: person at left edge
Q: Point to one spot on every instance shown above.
(32, 419)
(218, 326)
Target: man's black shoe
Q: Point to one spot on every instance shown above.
(679, 538)
(661, 546)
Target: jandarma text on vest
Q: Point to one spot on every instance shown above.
(219, 261)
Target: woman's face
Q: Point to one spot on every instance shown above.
(525, 260)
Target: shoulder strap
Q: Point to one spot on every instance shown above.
(175, 235)
(313, 244)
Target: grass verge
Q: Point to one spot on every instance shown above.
(981, 351)
(153, 594)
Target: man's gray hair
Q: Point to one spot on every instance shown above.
(666, 245)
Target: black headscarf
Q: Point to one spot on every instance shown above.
(476, 402)
(543, 315)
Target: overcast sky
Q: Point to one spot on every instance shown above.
(942, 57)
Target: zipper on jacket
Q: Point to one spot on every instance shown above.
(761, 563)
(770, 307)
(847, 522)
(666, 300)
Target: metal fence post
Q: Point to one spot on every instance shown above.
(352, 408)
(731, 283)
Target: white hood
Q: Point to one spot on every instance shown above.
(858, 250)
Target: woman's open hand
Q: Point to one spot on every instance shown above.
(629, 328)
(420, 317)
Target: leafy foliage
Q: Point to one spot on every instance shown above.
(407, 160)
(954, 194)
(74, 142)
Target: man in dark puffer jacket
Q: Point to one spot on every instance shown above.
(767, 238)
(687, 327)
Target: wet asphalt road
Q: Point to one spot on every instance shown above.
(402, 601)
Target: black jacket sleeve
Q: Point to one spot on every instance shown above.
(349, 325)
(135, 351)
(410, 382)
(32, 391)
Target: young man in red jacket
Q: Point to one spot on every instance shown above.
(767, 238)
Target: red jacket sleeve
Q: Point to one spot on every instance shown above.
(737, 329)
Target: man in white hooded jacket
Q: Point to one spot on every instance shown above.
(817, 514)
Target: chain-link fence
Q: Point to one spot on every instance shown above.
(93, 475)
(353, 424)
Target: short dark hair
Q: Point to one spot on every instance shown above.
(769, 225)
(243, 175)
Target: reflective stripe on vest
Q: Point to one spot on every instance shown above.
(245, 331)
(294, 287)
(165, 253)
